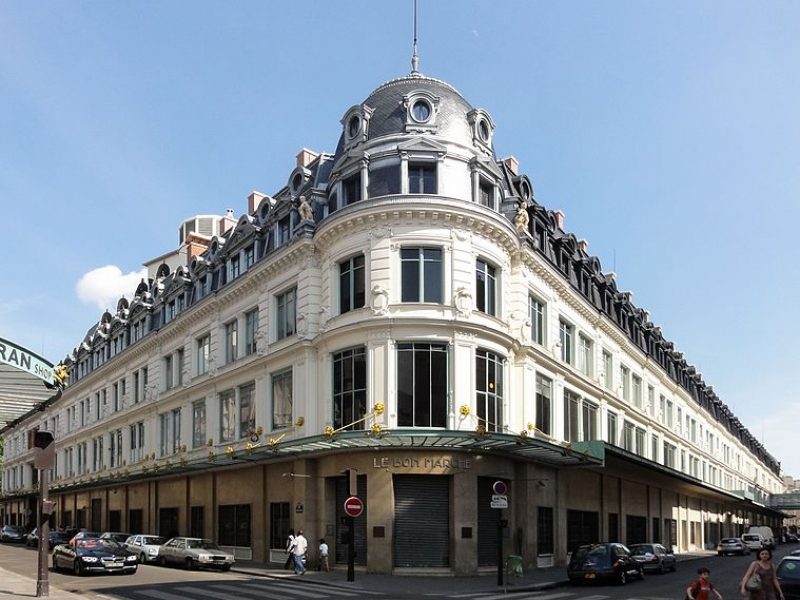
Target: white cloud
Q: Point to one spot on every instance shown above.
(104, 286)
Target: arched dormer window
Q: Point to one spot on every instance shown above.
(356, 124)
(421, 109)
(482, 130)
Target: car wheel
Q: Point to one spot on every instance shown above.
(77, 568)
(142, 558)
(622, 579)
(55, 565)
(226, 568)
(674, 566)
(162, 562)
(663, 569)
(189, 564)
(641, 574)
(133, 572)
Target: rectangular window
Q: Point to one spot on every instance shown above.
(640, 441)
(486, 193)
(589, 421)
(349, 388)
(279, 516)
(422, 385)
(250, 331)
(612, 429)
(636, 384)
(198, 423)
(168, 374)
(247, 410)
(136, 433)
(231, 341)
(234, 525)
(196, 522)
(170, 432)
(489, 392)
(421, 275)
(545, 530)
(572, 408)
(284, 230)
(351, 189)
(383, 180)
(544, 403)
(537, 316)
(203, 354)
(227, 416)
(566, 334)
(249, 256)
(625, 382)
(136, 388)
(654, 448)
(485, 287)
(585, 355)
(286, 313)
(233, 268)
(180, 362)
(282, 399)
(628, 431)
(651, 401)
(351, 284)
(422, 178)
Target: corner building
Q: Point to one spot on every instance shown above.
(403, 311)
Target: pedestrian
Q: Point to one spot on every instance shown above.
(760, 580)
(289, 547)
(299, 550)
(323, 556)
(702, 588)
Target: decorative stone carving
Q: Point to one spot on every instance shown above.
(380, 300)
(521, 219)
(304, 210)
(381, 231)
(211, 365)
(462, 300)
(302, 324)
(261, 341)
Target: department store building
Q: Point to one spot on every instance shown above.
(403, 311)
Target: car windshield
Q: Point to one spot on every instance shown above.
(153, 540)
(97, 544)
(789, 570)
(204, 544)
(642, 549)
(590, 552)
(750, 538)
(12, 529)
(728, 541)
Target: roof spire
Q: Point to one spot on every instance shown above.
(414, 56)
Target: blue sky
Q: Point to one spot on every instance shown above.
(668, 132)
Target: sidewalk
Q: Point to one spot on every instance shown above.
(13, 585)
(486, 581)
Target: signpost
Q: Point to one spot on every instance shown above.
(499, 501)
(44, 458)
(353, 507)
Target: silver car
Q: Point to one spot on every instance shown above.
(192, 553)
(732, 546)
(145, 547)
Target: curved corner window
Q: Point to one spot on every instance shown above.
(421, 111)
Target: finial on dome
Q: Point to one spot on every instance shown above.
(415, 56)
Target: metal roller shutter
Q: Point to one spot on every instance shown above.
(421, 521)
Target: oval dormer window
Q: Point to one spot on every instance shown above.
(421, 111)
(353, 126)
(297, 181)
(483, 131)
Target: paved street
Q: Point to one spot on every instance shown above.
(255, 583)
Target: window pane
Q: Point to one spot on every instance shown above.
(422, 388)
(405, 387)
(410, 281)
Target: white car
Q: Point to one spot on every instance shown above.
(754, 541)
(144, 546)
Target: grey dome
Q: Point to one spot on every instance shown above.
(389, 114)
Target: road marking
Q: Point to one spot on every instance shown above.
(160, 595)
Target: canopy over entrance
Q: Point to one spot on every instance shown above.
(26, 380)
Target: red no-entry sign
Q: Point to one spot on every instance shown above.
(353, 506)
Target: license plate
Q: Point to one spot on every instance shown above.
(590, 576)
(115, 564)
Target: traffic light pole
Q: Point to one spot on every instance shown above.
(43, 524)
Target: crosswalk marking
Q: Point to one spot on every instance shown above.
(300, 590)
(159, 595)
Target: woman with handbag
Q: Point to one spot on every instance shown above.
(759, 581)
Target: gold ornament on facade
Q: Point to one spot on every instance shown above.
(376, 430)
(378, 408)
(229, 451)
(329, 431)
(183, 447)
(249, 447)
(211, 455)
(210, 442)
(480, 430)
(300, 421)
(464, 410)
(259, 430)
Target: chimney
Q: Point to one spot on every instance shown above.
(559, 219)
(229, 213)
(253, 200)
(512, 164)
(226, 222)
(305, 157)
(584, 246)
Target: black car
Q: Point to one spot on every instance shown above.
(92, 555)
(9, 533)
(654, 557)
(56, 538)
(789, 576)
(606, 561)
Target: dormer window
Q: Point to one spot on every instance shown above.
(353, 126)
(356, 124)
(421, 109)
(482, 129)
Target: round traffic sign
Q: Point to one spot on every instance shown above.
(353, 506)
(500, 487)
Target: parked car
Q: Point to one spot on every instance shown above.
(654, 557)
(788, 571)
(10, 533)
(145, 546)
(56, 538)
(754, 541)
(609, 561)
(732, 546)
(795, 552)
(791, 538)
(93, 555)
(115, 536)
(193, 553)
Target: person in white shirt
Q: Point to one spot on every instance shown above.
(323, 556)
(299, 550)
(289, 546)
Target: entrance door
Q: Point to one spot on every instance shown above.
(488, 519)
(168, 522)
(135, 521)
(421, 521)
(97, 514)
